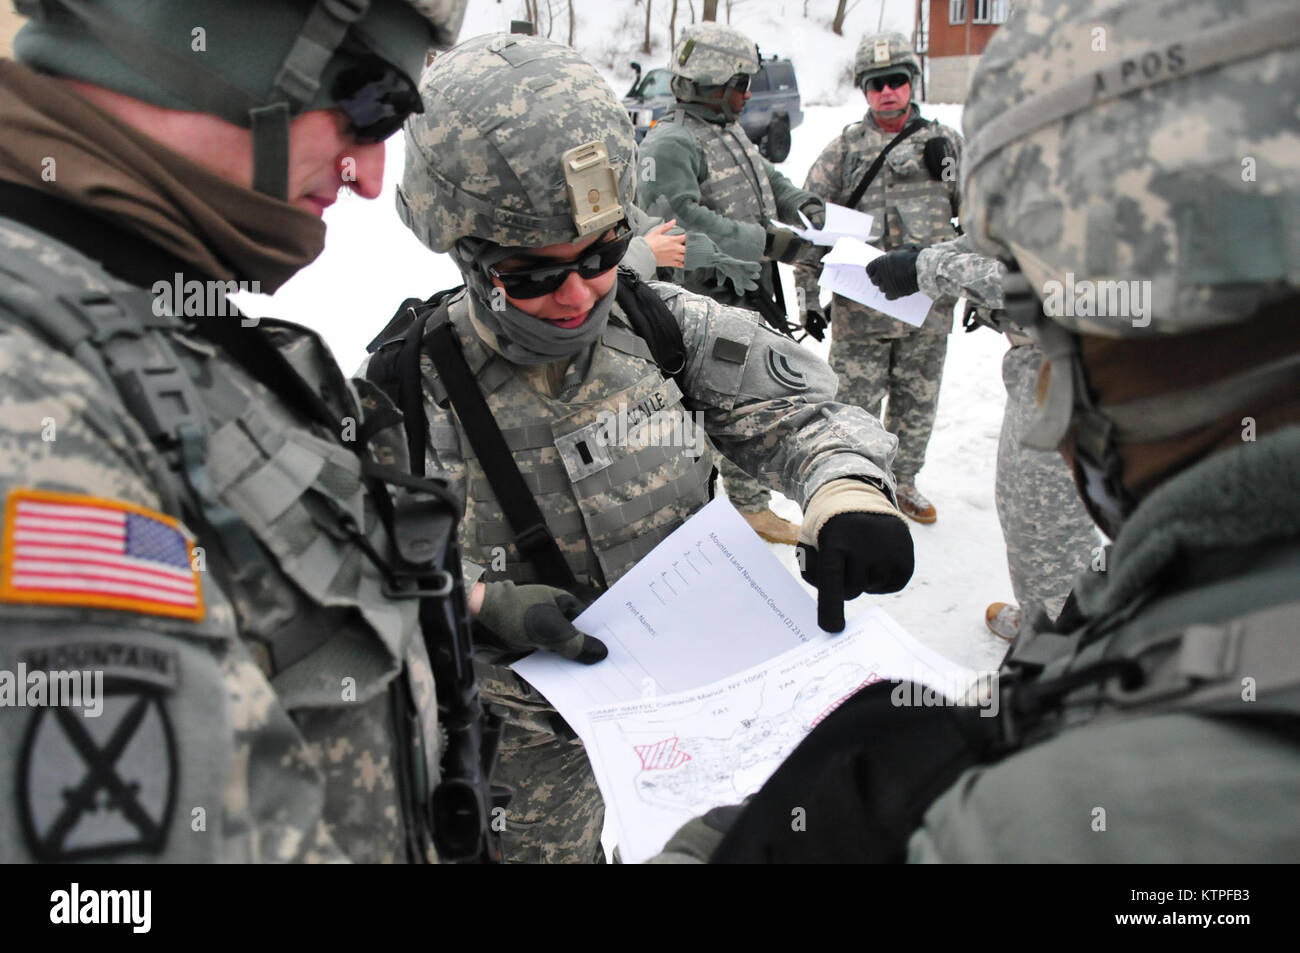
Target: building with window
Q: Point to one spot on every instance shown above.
(950, 36)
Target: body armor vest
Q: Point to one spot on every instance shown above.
(737, 186)
(615, 465)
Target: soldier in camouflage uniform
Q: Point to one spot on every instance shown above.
(556, 359)
(1155, 722)
(172, 521)
(912, 200)
(698, 161)
(1048, 534)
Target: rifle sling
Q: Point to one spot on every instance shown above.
(532, 536)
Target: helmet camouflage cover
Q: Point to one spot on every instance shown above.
(880, 54)
(709, 54)
(493, 155)
(1141, 145)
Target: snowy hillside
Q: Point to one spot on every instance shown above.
(610, 33)
(371, 263)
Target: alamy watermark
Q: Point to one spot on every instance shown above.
(207, 298)
(52, 689)
(1085, 298)
(937, 692)
(651, 424)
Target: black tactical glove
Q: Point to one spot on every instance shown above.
(814, 209)
(814, 322)
(894, 272)
(856, 553)
(783, 244)
(522, 618)
(941, 159)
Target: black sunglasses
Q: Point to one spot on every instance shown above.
(544, 279)
(893, 81)
(739, 83)
(376, 97)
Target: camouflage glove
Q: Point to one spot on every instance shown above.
(894, 272)
(940, 159)
(719, 268)
(814, 209)
(743, 275)
(862, 544)
(783, 245)
(697, 839)
(814, 322)
(522, 618)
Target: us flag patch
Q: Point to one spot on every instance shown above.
(72, 550)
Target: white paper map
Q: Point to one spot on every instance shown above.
(661, 761)
(712, 606)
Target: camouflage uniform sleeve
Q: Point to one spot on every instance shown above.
(640, 258)
(768, 403)
(952, 269)
(788, 195)
(190, 757)
(823, 179)
(672, 168)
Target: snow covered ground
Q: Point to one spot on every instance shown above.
(371, 263)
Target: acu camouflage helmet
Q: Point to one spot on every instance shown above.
(521, 143)
(1141, 145)
(880, 54)
(709, 54)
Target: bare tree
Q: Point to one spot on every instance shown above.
(842, 10)
(691, 6)
(571, 22)
(672, 26)
(645, 45)
(550, 18)
(733, 3)
(710, 10)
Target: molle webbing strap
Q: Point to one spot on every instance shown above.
(1214, 47)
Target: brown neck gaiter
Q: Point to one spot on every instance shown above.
(57, 142)
(1124, 369)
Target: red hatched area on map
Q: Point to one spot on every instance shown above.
(661, 755)
(869, 680)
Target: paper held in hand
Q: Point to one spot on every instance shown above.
(840, 223)
(844, 273)
(716, 671)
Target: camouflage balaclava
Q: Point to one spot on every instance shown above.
(521, 145)
(1139, 164)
